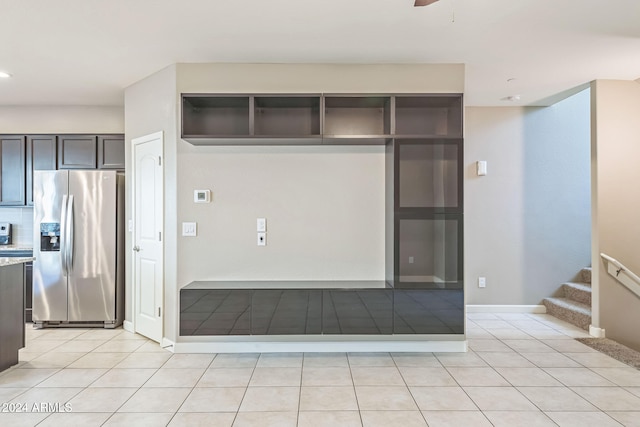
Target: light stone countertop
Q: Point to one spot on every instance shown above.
(15, 248)
(5, 261)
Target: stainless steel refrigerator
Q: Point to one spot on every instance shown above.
(78, 272)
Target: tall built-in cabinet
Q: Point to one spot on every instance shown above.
(423, 134)
(427, 192)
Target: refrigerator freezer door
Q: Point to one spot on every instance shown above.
(92, 252)
(49, 280)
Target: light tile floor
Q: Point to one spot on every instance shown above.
(521, 370)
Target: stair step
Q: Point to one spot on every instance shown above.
(580, 292)
(570, 311)
(585, 275)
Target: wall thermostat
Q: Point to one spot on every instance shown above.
(201, 196)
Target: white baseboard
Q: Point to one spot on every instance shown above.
(168, 345)
(321, 347)
(537, 309)
(596, 332)
(128, 326)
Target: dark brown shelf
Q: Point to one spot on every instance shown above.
(356, 139)
(308, 119)
(253, 140)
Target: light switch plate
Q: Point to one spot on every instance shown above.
(262, 239)
(189, 229)
(481, 167)
(261, 224)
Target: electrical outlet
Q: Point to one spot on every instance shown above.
(262, 239)
(482, 282)
(411, 260)
(262, 224)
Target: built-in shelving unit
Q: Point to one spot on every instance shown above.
(426, 175)
(423, 134)
(308, 119)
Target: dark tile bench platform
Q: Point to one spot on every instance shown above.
(317, 308)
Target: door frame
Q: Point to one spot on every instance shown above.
(132, 277)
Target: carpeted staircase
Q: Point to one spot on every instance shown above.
(573, 301)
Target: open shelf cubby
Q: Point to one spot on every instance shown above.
(215, 116)
(287, 116)
(357, 116)
(428, 115)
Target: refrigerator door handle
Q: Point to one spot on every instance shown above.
(63, 235)
(70, 235)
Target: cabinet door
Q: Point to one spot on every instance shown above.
(28, 283)
(12, 170)
(77, 152)
(41, 155)
(111, 152)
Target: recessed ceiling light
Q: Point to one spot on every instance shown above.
(4, 75)
(511, 98)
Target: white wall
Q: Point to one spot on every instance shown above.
(55, 119)
(324, 208)
(616, 228)
(61, 119)
(321, 78)
(527, 223)
(150, 106)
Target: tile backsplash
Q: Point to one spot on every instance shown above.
(21, 220)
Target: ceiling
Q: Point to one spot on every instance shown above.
(85, 52)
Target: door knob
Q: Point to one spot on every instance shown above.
(136, 248)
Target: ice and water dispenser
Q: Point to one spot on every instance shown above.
(49, 236)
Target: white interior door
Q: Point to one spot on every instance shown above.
(148, 246)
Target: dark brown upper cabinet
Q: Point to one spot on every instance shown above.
(41, 155)
(21, 155)
(111, 152)
(12, 170)
(77, 152)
